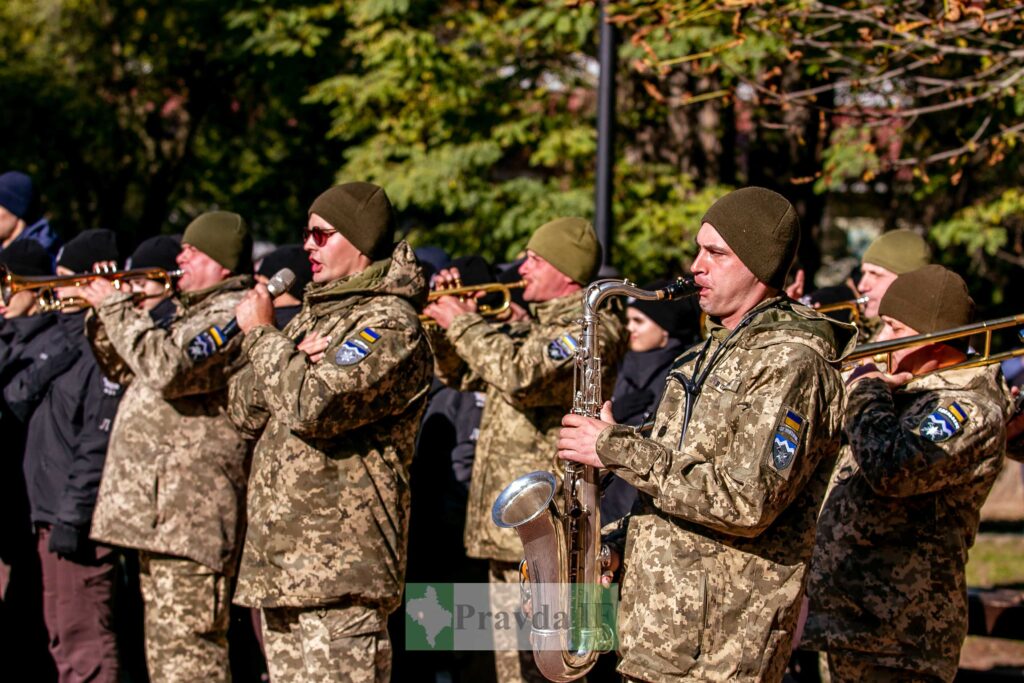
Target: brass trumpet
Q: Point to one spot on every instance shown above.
(881, 352)
(465, 291)
(45, 285)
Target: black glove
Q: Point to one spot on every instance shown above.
(68, 541)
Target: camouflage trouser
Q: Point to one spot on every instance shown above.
(511, 665)
(187, 613)
(326, 645)
(851, 669)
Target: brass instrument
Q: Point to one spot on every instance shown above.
(852, 307)
(563, 547)
(881, 352)
(45, 285)
(503, 288)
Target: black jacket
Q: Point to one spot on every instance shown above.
(24, 343)
(638, 389)
(66, 444)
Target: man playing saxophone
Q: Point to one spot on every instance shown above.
(887, 589)
(526, 369)
(733, 475)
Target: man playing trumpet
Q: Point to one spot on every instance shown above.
(174, 482)
(526, 369)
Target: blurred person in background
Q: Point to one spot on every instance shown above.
(19, 215)
(27, 341)
(65, 449)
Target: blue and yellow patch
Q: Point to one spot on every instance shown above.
(786, 441)
(562, 347)
(369, 334)
(944, 423)
(357, 348)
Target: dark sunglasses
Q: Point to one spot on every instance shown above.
(319, 235)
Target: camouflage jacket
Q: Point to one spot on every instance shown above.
(329, 493)
(527, 371)
(887, 580)
(176, 470)
(719, 544)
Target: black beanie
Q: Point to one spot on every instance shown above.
(762, 228)
(362, 213)
(156, 252)
(928, 299)
(86, 248)
(680, 318)
(27, 257)
(289, 256)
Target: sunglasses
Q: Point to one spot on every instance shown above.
(319, 235)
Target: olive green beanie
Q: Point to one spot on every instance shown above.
(362, 213)
(898, 251)
(928, 299)
(570, 245)
(224, 237)
(762, 228)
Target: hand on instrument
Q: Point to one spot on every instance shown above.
(314, 345)
(255, 309)
(446, 278)
(871, 371)
(577, 440)
(446, 309)
(96, 291)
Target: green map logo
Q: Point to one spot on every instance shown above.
(481, 616)
(429, 616)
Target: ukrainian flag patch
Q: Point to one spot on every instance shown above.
(370, 335)
(562, 347)
(786, 441)
(944, 423)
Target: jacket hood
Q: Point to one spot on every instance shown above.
(782, 320)
(400, 275)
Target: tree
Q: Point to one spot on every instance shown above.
(914, 105)
(137, 115)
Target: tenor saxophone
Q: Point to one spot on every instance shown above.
(562, 546)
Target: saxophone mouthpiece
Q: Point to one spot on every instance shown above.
(680, 289)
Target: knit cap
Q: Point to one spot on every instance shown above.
(362, 213)
(898, 251)
(224, 237)
(928, 299)
(570, 245)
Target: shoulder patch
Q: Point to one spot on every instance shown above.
(786, 441)
(357, 348)
(562, 347)
(944, 423)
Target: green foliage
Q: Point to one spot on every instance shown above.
(657, 237)
(851, 154)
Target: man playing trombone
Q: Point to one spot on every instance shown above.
(887, 591)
